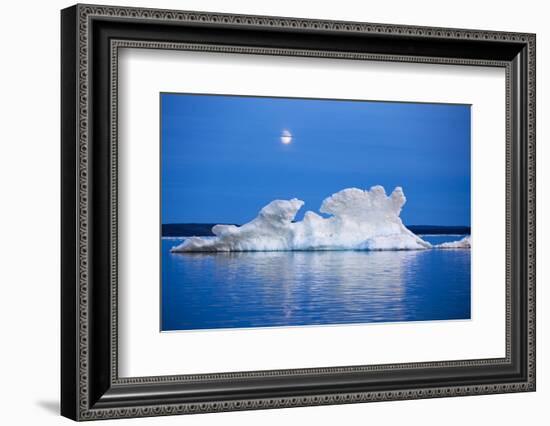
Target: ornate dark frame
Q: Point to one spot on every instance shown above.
(91, 37)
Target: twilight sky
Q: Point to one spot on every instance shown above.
(223, 157)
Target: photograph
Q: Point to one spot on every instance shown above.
(285, 212)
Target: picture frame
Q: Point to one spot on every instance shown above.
(91, 37)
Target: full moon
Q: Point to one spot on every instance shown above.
(286, 137)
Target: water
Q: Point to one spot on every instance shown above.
(266, 289)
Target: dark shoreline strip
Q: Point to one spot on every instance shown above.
(205, 229)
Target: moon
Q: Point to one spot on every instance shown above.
(286, 137)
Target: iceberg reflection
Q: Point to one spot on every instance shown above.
(254, 289)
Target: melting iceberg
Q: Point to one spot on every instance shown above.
(464, 243)
(359, 220)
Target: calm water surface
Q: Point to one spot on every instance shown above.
(261, 289)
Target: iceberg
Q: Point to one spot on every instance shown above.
(357, 220)
(464, 243)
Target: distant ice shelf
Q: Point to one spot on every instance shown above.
(464, 243)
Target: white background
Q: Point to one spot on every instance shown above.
(29, 225)
(146, 352)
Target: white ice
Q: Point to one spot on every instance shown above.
(359, 220)
(464, 243)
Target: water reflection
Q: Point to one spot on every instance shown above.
(225, 290)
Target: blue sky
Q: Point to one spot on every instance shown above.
(223, 159)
